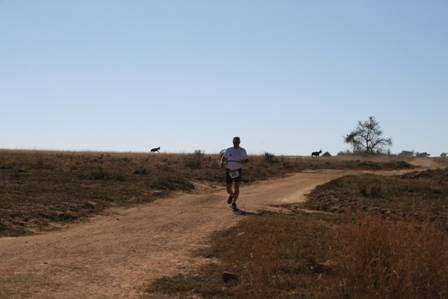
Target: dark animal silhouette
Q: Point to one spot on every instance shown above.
(155, 150)
(316, 154)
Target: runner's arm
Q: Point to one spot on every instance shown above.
(223, 160)
(246, 160)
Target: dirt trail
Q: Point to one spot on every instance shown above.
(114, 255)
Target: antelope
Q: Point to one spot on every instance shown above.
(316, 154)
(155, 150)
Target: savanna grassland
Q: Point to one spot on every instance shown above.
(368, 236)
(39, 188)
(417, 196)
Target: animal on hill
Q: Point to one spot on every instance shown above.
(316, 154)
(155, 150)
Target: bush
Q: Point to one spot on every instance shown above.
(102, 174)
(193, 164)
(372, 191)
(194, 161)
(142, 171)
(198, 154)
(444, 155)
(171, 182)
(268, 157)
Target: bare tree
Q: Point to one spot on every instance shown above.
(368, 137)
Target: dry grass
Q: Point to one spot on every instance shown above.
(350, 254)
(385, 259)
(420, 196)
(274, 256)
(4, 294)
(38, 188)
(310, 256)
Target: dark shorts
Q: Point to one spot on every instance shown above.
(229, 180)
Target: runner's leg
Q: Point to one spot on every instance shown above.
(236, 194)
(230, 189)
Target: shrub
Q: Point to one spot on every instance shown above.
(102, 174)
(142, 171)
(195, 161)
(372, 191)
(167, 181)
(193, 164)
(199, 154)
(41, 164)
(268, 157)
(369, 165)
(444, 155)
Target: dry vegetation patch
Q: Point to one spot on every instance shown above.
(4, 294)
(390, 259)
(387, 239)
(316, 256)
(38, 188)
(419, 196)
(274, 256)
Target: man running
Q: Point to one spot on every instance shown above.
(234, 158)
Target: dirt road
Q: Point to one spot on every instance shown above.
(115, 255)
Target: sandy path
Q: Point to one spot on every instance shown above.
(113, 256)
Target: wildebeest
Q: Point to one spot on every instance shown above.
(316, 154)
(155, 150)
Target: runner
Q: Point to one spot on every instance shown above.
(233, 159)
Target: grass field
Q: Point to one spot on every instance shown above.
(418, 196)
(40, 188)
(385, 238)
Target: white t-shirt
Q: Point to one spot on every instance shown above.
(234, 158)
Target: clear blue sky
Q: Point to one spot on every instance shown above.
(287, 76)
